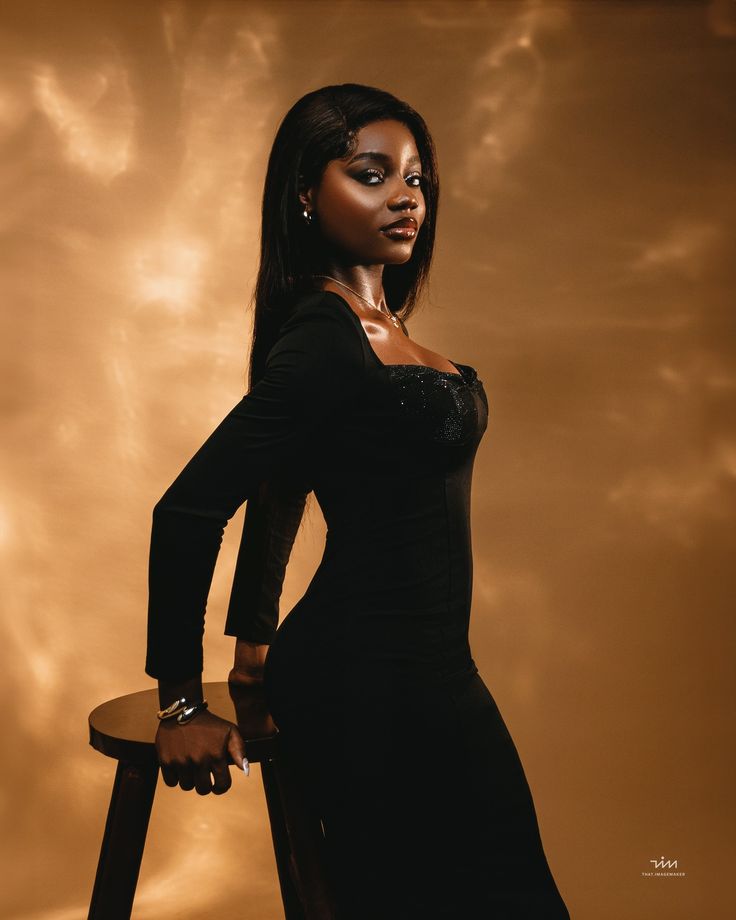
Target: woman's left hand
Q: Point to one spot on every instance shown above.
(247, 670)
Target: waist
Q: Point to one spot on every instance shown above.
(381, 650)
(331, 691)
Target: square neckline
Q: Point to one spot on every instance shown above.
(460, 372)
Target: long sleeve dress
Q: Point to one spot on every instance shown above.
(424, 803)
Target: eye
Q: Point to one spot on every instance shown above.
(416, 180)
(368, 174)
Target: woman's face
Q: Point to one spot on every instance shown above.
(359, 195)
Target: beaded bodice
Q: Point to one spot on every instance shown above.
(453, 406)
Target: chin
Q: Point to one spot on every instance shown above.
(400, 259)
(397, 256)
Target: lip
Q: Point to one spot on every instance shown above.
(407, 223)
(400, 234)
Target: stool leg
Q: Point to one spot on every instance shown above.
(123, 841)
(293, 909)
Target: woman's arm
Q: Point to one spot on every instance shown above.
(248, 664)
(272, 519)
(313, 370)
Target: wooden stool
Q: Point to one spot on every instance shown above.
(125, 728)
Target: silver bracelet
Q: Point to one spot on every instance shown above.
(182, 710)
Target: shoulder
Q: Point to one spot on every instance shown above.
(325, 322)
(319, 334)
(320, 307)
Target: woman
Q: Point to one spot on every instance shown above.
(422, 799)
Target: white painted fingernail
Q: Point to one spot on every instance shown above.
(246, 767)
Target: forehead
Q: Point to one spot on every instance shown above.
(386, 136)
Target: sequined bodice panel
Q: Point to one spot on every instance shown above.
(446, 408)
(409, 420)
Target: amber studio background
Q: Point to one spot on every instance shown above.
(584, 265)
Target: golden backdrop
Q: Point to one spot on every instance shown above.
(584, 265)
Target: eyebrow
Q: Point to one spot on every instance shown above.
(382, 157)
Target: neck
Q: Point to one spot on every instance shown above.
(364, 280)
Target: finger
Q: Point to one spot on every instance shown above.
(203, 783)
(170, 774)
(186, 776)
(223, 780)
(236, 749)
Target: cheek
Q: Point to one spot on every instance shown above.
(349, 209)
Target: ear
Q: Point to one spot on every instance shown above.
(305, 193)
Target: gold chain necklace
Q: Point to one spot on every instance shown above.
(394, 319)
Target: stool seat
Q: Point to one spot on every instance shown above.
(125, 728)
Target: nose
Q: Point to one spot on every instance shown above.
(402, 201)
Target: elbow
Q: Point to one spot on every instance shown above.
(163, 506)
(175, 505)
(178, 499)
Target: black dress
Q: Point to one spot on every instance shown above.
(425, 806)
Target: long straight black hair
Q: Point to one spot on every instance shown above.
(320, 127)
